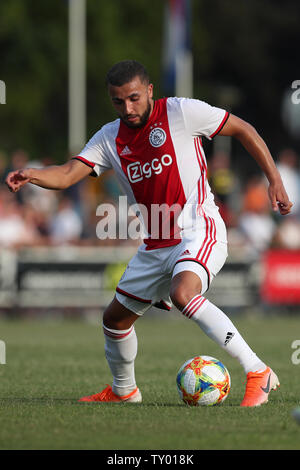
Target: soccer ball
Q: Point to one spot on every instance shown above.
(203, 380)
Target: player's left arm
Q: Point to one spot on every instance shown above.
(257, 148)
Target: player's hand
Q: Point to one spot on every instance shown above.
(15, 180)
(279, 198)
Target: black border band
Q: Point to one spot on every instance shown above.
(221, 125)
(131, 296)
(85, 162)
(198, 262)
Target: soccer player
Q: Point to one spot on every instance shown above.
(155, 148)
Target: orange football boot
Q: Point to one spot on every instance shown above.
(108, 396)
(258, 387)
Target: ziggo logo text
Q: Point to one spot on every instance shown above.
(137, 172)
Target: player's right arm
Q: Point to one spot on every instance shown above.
(257, 148)
(51, 177)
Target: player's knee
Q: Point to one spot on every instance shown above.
(181, 295)
(108, 321)
(112, 321)
(117, 317)
(185, 285)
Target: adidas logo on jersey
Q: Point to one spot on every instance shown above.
(229, 337)
(186, 252)
(126, 151)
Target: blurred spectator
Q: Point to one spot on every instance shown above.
(41, 199)
(3, 165)
(255, 221)
(111, 186)
(288, 168)
(224, 185)
(17, 227)
(19, 159)
(35, 215)
(76, 192)
(66, 225)
(287, 235)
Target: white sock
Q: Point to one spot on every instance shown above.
(120, 352)
(220, 329)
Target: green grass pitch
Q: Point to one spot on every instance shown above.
(49, 365)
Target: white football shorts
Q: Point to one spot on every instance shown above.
(147, 278)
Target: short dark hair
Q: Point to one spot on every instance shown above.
(125, 71)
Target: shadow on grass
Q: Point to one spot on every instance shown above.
(37, 400)
(74, 401)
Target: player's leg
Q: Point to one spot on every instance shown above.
(118, 327)
(120, 351)
(190, 280)
(118, 317)
(186, 295)
(120, 346)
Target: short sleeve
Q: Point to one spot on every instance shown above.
(201, 118)
(95, 155)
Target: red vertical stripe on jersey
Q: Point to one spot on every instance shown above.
(206, 238)
(210, 230)
(154, 183)
(212, 242)
(200, 166)
(209, 240)
(203, 170)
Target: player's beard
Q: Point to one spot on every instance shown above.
(143, 118)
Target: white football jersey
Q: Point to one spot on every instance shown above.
(162, 166)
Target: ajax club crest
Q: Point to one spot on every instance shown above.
(157, 137)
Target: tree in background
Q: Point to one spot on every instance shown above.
(244, 57)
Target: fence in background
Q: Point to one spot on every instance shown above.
(86, 277)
